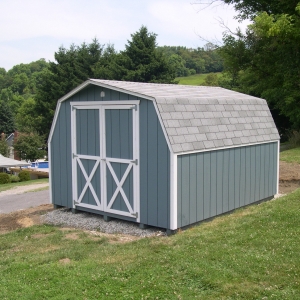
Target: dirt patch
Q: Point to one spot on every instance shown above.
(25, 222)
(289, 177)
(289, 171)
(113, 238)
(23, 218)
(65, 261)
(72, 236)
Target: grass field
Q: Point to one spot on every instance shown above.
(196, 79)
(291, 155)
(250, 254)
(8, 186)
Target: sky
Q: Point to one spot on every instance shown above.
(34, 29)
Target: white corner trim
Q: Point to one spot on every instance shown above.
(173, 192)
(50, 173)
(278, 156)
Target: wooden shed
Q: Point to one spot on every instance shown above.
(161, 155)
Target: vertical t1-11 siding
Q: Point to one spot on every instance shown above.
(212, 183)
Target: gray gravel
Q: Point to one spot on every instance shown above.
(88, 221)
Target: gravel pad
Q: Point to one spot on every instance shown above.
(88, 221)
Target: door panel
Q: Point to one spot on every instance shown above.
(87, 132)
(88, 197)
(105, 157)
(121, 160)
(120, 169)
(119, 133)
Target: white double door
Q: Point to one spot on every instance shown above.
(105, 156)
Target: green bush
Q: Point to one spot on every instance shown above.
(14, 178)
(24, 175)
(4, 178)
(294, 139)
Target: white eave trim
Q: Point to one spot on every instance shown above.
(121, 90)
(227, 147)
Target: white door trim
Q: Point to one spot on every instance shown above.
(103, 203)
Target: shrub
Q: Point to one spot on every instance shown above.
(294, 139)
(14, 178)
(4, 178)
(24, 175)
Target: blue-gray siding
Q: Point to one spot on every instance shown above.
(212, 183)
(154, 156)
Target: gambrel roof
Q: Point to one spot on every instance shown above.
(201, 117)
(197, 118)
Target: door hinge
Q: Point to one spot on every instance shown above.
(135, 161)
(75, 202)
(135, 214)
(74, 155)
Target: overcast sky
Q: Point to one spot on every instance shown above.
(34, 29)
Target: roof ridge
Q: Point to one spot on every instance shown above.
(156, 83)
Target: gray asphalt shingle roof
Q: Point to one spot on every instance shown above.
(200, 118)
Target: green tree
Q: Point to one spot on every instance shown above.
(4, 149)
(72, 67)
(248, 9)
(13, 100)
(178, 63)
(111, 65)
(7, 124)
(29, 146)
(265, 60)
(144, 62)
(211, 80)
(200, 60)
(25, 119)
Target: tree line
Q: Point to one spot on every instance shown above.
(188, 61)
(29, 92)
(263, 61)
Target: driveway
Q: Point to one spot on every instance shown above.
(18, 199)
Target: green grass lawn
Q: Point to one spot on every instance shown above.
(291, 155)
(8, 186)
(251, 254)
(196, 79)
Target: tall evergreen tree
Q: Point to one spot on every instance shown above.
(145, 63)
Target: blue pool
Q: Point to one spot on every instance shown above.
(40, 165)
